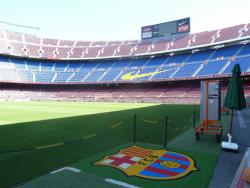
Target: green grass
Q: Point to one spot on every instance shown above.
(17, 112)
(204, 161)
(204, 152)
(86, 129)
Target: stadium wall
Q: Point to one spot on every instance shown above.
(178, 92)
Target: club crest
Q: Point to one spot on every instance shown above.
(150, 164)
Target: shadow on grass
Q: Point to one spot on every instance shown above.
(92, 134)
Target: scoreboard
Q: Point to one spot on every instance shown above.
(166, 29)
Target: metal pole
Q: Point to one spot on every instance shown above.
(165, 131)
(231, 123)
(194, 118)
(134, 130)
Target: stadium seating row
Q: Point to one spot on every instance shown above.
(207, 63)
(20, 44)
(173, 95)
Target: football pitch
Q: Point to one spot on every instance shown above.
(39, 137)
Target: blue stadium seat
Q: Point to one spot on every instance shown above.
(4, 59)
(74, 66)
(19, 64)
(111, 75)
(62, 76)
(47, 66)
(200, 56)
(22, 75)
(164, 73)
(33, 65)
(94, 76)
(44, 76)
(187, 70)
(226, 52)
(212, 68)
(244, 65)
(60, 66)
(180, 58)
(105, 65)
(79, 76)
(137, 63)
(146, 71)
(245, 50)
(121, 64)
(202, 63)
(29, 76)
(156, 61)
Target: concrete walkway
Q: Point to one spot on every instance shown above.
(66, 178)
(229, 162)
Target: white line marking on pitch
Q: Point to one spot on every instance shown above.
(120, 183)
(66, 168)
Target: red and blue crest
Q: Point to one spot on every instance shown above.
(150, 164)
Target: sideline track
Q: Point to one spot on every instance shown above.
(228, 162)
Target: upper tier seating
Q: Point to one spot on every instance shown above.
(20, 44)
(229, 33)
(246, 31)
(181, 42)
(203, 38)
(160, 46)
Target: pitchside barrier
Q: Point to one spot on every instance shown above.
(133, 129)
(153, 131)
(113, 133)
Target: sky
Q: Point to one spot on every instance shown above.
(119, 19)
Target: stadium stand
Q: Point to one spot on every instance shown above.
(203, 38)
(19, 44)
(28, 59)
(212, 62)
(229, 33)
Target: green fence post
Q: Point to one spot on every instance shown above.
(165, 131)
(194, 118)
(134, 130)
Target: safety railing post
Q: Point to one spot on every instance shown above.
(134, 129)
(194, 119)
(165, 131)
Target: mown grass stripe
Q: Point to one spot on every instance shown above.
(89, 136)
(49, 146)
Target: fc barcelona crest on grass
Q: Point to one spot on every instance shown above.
(150, 164)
